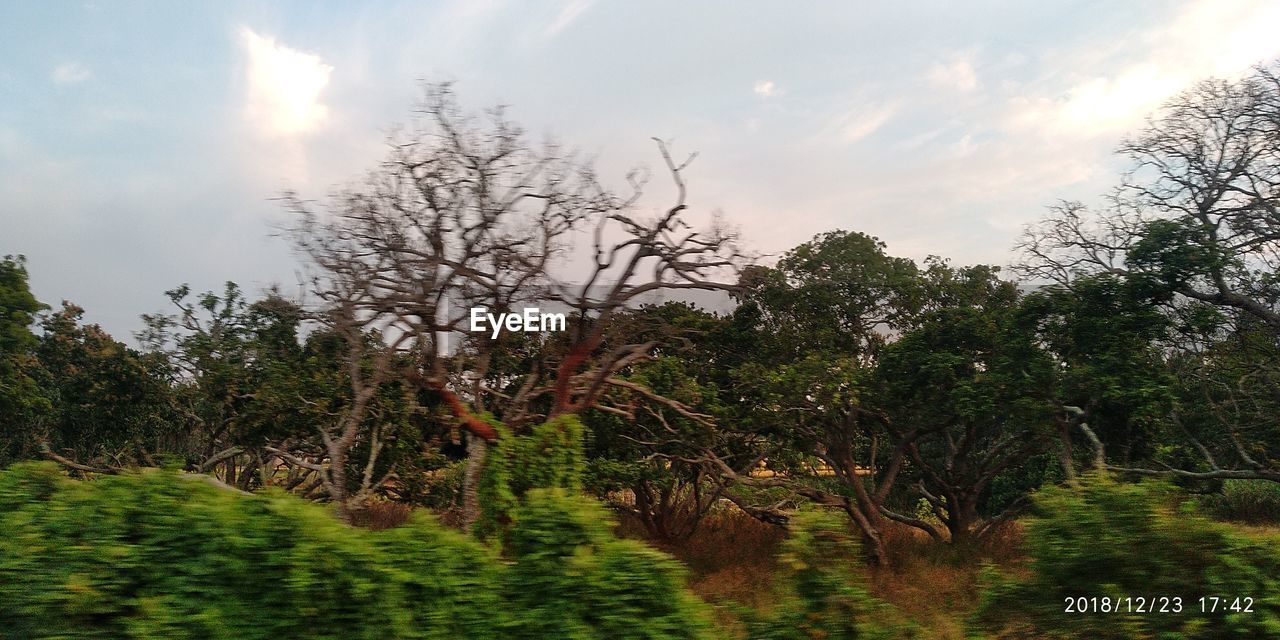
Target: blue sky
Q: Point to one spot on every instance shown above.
(141, 142)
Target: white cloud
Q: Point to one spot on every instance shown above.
(568, 13)
(957, 74)
(284, 86)
(1112, 93)
(861, 122)
(70, 73)
(766, 88)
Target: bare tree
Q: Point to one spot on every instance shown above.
(662, 254)
(466, 215)
(1198, 210)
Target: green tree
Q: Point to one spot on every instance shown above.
(972, 396)
(817, 322)
(660, 413)
(1104, 334)
(326, 414)
(1195, 230)
(110, 405)
(21, 399)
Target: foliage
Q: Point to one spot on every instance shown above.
(549, 456)
(1103, 538)
(637, 456)
(1255, 501)
(21, 397)
(438, 487)
(898, 380)
(831, 294)
(17, 306)
(1226, 392)
(571, 578)
(971, 394)
(234, 368)
(1103, 333)
(816, 324)
(157, 554)
(110, 404)
(161, 554)
(824, 596)
(246, 377)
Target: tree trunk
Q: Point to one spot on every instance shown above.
(870, 525)
(476, 449)
(1065, 454)
(338, 482)
(962, 519)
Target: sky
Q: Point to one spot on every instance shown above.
(142, 143)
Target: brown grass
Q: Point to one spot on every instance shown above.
(731, 556)
(1263, 533)
(936, 585)
(377, 516)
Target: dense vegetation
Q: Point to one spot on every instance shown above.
(871, 404)
(155, 555)
(1111, 540)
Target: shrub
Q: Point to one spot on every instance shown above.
(436, 486)
(160, 554)
(157, 554)
(550, 456)
(1105, 539)
(825, 597)
(1256, 501)
(571, 578)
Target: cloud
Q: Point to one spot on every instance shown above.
(69, 73)
(957, 74)
(766, 88)
(568, 13)
(284, 86)
(1113, 92)
(861, 122)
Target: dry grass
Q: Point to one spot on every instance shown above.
(377, 516)
(935, 585)
(1259, 532)
(731, 556)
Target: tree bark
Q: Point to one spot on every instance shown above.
(476, 450)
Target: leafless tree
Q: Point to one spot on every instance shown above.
(466, 215)
(1209, 165)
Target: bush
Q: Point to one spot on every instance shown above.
(572, 578)
(160, 554)
(1104, 539)
(1256, 501)
(550, 456)
(157, 554)
(436, 484)
(825, 597)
